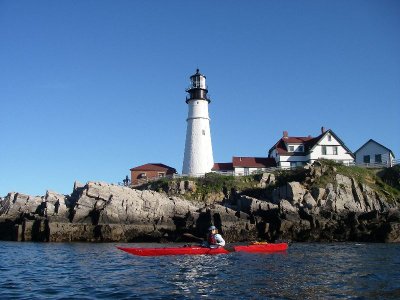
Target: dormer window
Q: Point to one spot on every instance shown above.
(291, 148)
(300, 149)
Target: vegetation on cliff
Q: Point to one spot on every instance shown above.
(377, 179)
(214, 186)
(206, 189)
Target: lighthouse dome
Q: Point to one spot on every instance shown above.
(198, 88)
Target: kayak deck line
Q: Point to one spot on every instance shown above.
(191, 250)
(199, 250)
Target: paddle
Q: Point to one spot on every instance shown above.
(193, 237)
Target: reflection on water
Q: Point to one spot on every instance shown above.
(100, 271)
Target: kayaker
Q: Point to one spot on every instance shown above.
(214, 238)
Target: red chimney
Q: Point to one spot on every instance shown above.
(285, 134)
(323, 129)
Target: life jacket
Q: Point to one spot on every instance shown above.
(211, 239)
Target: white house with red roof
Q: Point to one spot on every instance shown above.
(244, 165)
(373, 153)
(293, 151)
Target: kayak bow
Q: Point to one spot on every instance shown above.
(198, 250)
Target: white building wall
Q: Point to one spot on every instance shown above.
(291, 161)
(240, 171)
(198, 156)
(198, 109)
(341, 155)
(371, 149)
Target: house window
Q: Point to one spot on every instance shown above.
(378, 158)
(161, 174)
(300, 149)
(291, 148)
(293, 164)
(246, 171)
(329, 137)
(334, 150)
(203, 132)
(367, 159)
(142, 175)
(323, 150)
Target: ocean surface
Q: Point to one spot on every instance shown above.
(101, 271)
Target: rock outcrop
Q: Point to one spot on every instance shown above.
(342, 209)
(103, 212)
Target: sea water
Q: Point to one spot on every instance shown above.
(101, 271)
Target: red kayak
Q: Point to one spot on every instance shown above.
(198, 250)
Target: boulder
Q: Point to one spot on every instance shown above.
(56, 207)
(266, 179)
(292, 191)
(17, 205)
(309, 201)
(252, 205)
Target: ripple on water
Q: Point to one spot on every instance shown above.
(100, 271)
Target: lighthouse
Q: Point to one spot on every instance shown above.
(198, 157)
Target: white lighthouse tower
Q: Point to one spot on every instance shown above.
(198, 158)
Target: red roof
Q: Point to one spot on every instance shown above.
(253, 162)
(308, 142)
(296, 139)
(154, 167)
(222, 167)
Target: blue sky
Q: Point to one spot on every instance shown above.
(89, 89)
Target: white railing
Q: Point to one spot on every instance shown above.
(384, 164)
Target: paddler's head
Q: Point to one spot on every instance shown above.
(212, 229)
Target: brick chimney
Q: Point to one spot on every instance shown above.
(285, 134)
(323, 130)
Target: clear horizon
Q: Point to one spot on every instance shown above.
(90, 89)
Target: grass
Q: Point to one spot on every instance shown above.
(360, 175)
(206, 187)
(214, 185)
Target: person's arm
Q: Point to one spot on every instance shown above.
(220, 241)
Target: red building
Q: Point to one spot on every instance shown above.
(147, 172)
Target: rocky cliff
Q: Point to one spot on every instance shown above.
(102, 212)
(317, 203)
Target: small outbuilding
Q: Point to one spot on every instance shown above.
(373, 153)
(150, 171)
